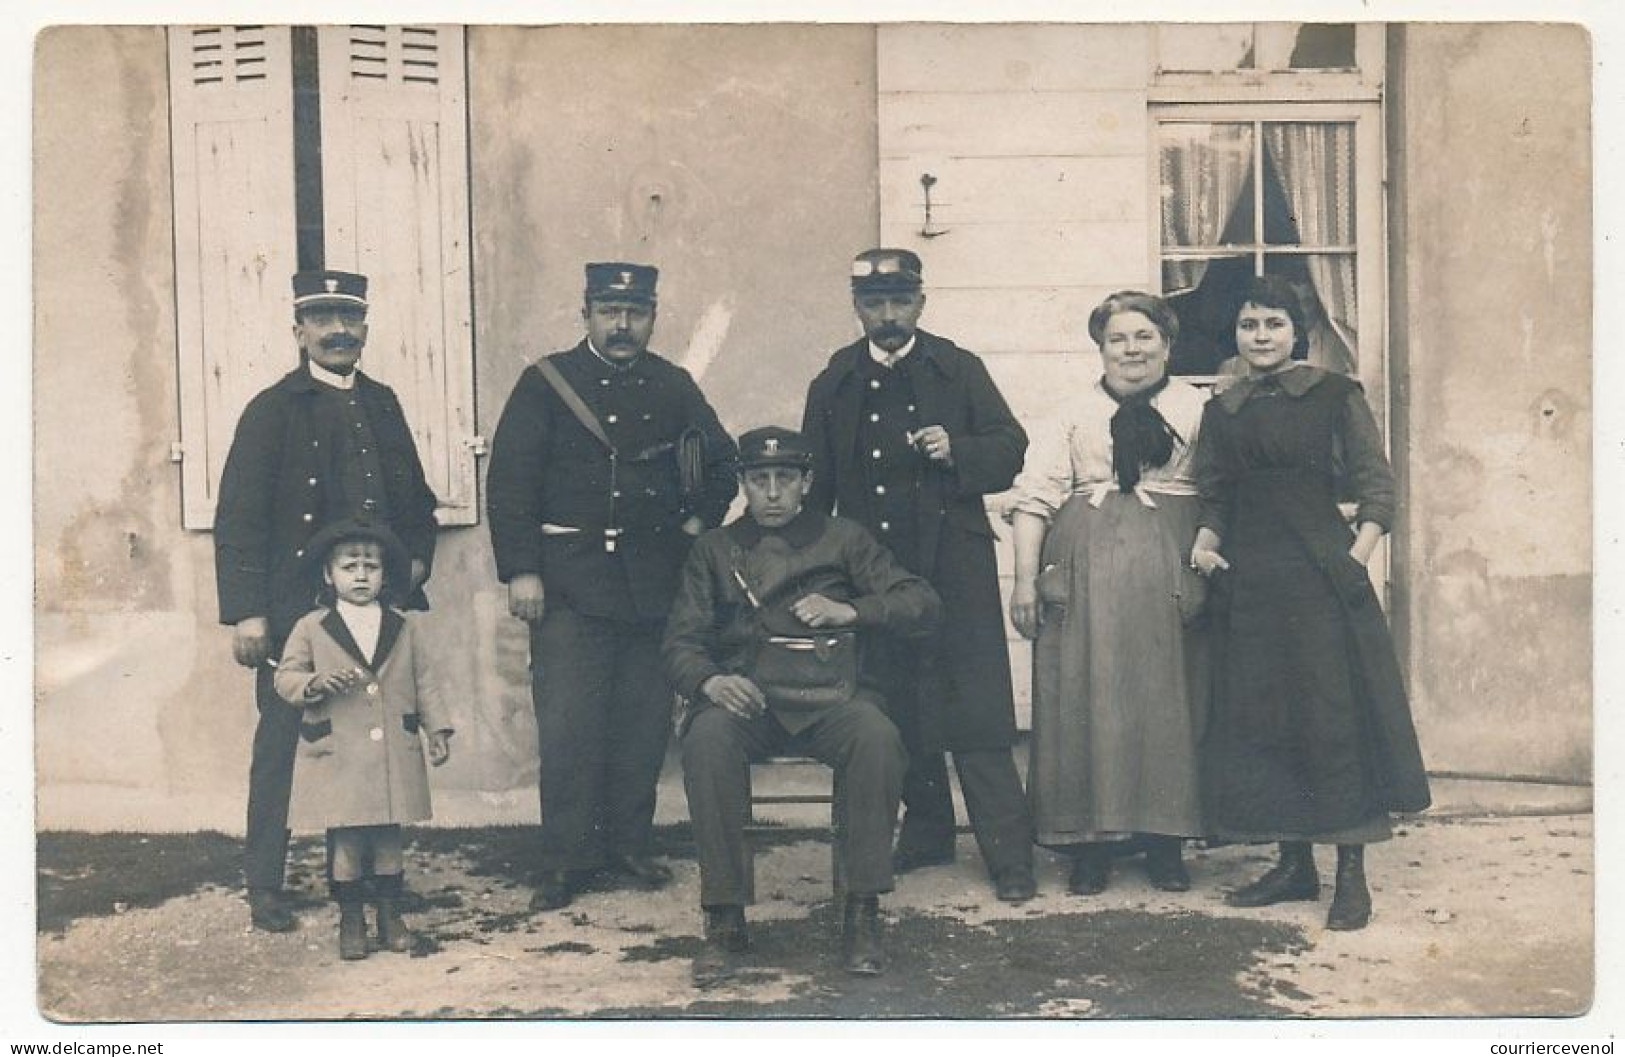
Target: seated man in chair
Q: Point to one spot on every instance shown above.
(763, 645)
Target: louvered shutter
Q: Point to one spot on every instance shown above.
(395, 198)
(232, 152)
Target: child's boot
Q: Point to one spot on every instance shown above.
(352, 920)
(392, 931)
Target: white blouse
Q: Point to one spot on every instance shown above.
(1072, 454)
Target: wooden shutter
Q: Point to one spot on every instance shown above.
(395, 198)
(231, 148)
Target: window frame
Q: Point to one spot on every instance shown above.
(1370, 222)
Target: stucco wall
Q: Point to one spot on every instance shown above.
(1492, 356)
(131, 687)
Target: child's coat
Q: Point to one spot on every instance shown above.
(360, 758)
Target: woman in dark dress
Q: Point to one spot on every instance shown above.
(1310, 740)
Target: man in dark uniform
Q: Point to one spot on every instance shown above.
(784, 571)
(908, 433)
(600, 478)
(324, 444)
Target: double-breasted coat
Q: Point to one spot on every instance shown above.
(360, 756)
(281, 485)
(963, 672)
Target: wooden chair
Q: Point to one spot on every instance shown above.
(834, 798)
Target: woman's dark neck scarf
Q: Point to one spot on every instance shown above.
(1141, 438)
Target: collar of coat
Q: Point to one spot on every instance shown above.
(929, 350)
(596, 366)
(1294, 381)
(388, 631)
(808, 527)
(299, 380)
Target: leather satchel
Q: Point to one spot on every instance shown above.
(802, 673)
(806, 673)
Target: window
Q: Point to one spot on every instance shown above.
(1240, 198)
(394, 205)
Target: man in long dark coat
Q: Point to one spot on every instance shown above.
(324, 444)
(592, 513)
(908, 433)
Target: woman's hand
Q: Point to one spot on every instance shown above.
(1207, 561)
(1024, 608)
(1205, 557)
(1365, 542)
(439, 747)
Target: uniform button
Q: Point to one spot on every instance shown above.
(369, 473)
(649, 491)
(874, 383)
(647, 417)
(363, 451)
(313, 482)
(376, 733)
(611, 419)
(911, 407)
(880, 489)
(874, 416)
(642, 381)
(309, 517)
(885, 526)
(300, 553)
(615, 494)
(603, 381)
(875, 453)
(315, 444)
(372, 688)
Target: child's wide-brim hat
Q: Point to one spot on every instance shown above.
(397, 563)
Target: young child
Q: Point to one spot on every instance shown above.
(360, 672)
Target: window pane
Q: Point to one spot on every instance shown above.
(1326, 285)
(1206, 184)
(1205, 48)
(1304, 46)
(1205, 302)
(1311, 166)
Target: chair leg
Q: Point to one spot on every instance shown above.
(837, 840)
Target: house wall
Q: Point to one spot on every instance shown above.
(739, 160)
(1491, 335)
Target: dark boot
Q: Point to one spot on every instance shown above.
(352, 920)
(268, 910)
(1091, 868)
(726, 938)
(1351, 902)
(392, 932)
(1164, 866)
(860, 936)
(1293, 879)
(554, 889)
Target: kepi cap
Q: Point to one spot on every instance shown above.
(773, 446)
(329, 287)
(886, 270)
(619, 281)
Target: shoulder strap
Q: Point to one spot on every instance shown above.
(573, 401)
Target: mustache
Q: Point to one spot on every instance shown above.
(335, 342)
(889, 330)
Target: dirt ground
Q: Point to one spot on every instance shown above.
(1474, 917)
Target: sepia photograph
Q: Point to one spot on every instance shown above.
(1027, 521)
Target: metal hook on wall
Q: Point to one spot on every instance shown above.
(927, 181)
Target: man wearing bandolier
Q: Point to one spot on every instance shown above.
(606, 464)
(908, 433)
(324, 444)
